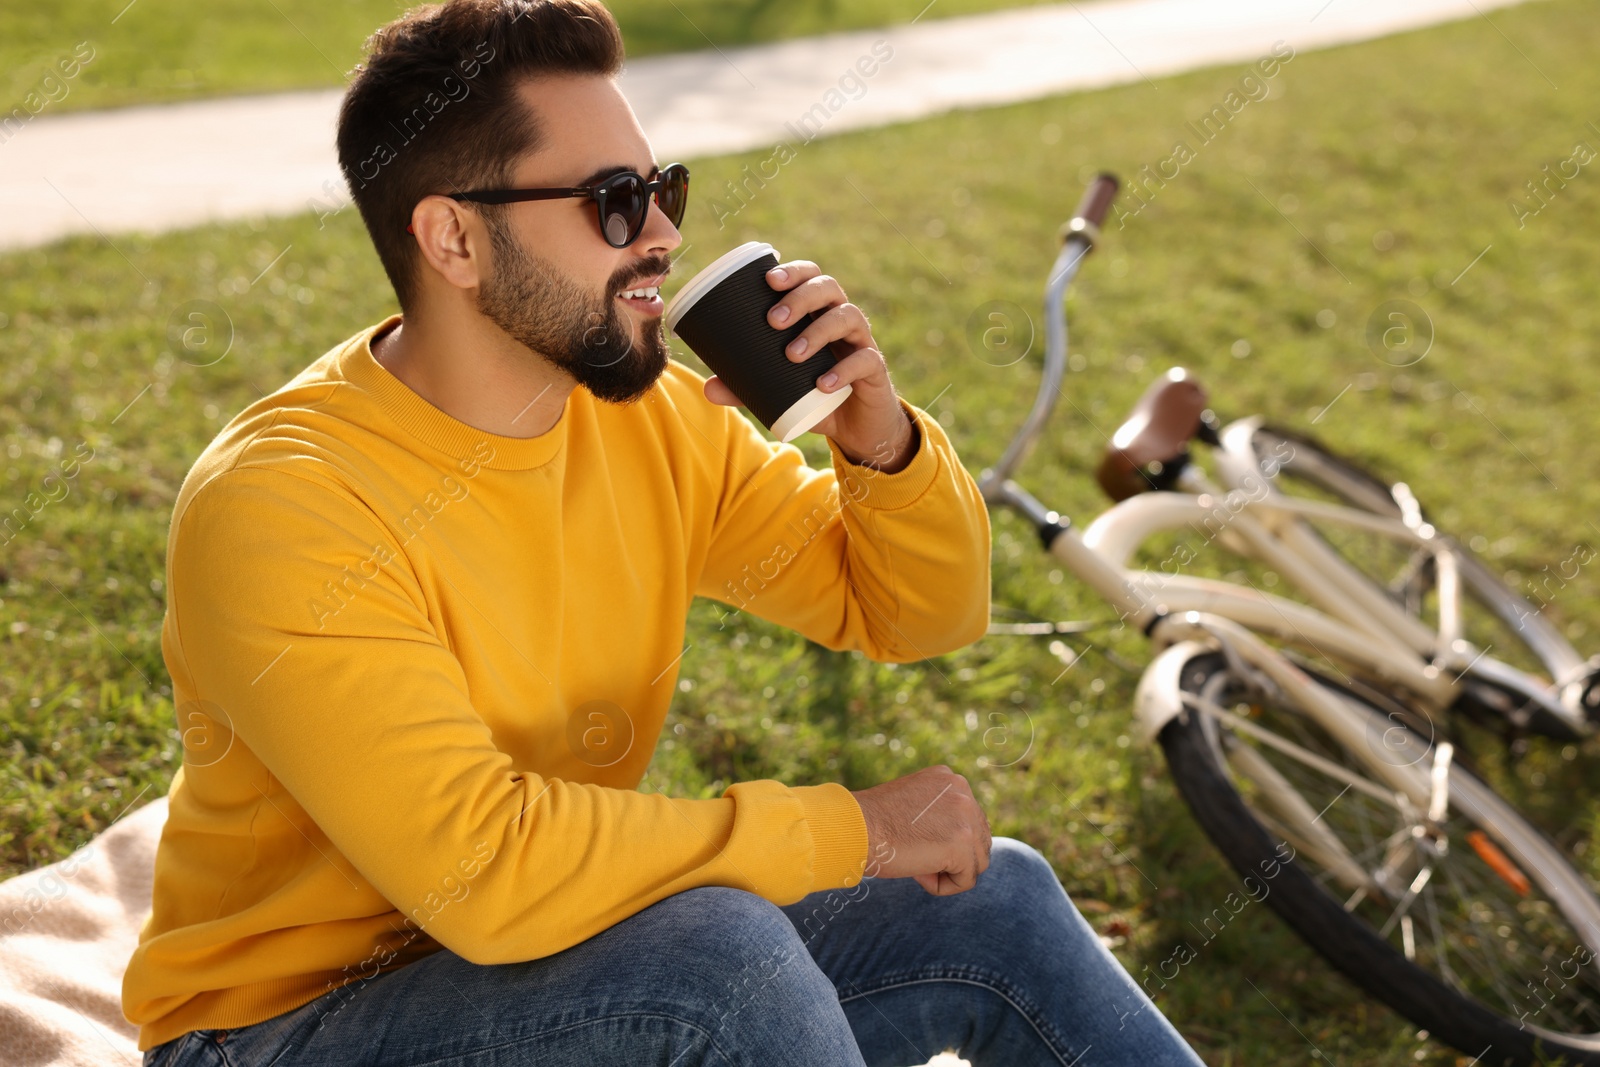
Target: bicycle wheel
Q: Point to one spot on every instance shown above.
(1550, 688)
(1495, 950)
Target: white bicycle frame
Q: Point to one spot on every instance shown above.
(1359, 630)
(1348, 621)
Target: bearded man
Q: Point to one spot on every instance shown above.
(426, 607)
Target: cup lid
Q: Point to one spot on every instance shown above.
(711, 276)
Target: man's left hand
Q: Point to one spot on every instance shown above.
(870, 427)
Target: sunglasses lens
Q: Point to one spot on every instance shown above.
(673, 196)
(622, 216)
(617, 230)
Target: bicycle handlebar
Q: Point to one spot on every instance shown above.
(1078, 238)
(1092, 209)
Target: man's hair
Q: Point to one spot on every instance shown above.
(434, 109)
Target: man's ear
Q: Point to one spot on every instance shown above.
(452, 240)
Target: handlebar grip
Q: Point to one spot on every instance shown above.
(1097, 199)
(1092, 209)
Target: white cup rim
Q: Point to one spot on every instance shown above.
(712, 276)
(807, 412)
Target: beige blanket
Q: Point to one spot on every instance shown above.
(66, 932)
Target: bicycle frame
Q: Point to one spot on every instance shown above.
(1358, 633)
(1356, 627)
(1364, 630)
(1347, 622)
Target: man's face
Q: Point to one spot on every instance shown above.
(555, 284)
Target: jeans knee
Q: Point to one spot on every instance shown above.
(741, 961)
(1017, 894)
(1021, 868)
(743, 978)
(717, 920)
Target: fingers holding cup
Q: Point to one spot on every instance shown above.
(844, 327)
(808, 291)
(788, 275)
(858, 368)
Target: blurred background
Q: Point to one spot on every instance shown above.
(177, 246)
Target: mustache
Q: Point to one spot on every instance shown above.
(645, 268)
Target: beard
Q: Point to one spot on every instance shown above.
(551, 314)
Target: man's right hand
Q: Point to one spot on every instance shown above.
(926, 826)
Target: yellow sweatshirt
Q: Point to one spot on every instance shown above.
(420, 671)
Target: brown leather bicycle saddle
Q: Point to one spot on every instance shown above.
(1159, 430)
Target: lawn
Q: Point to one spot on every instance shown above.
(158, 50)
(1372, 173)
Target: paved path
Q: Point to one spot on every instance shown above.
(152, 168)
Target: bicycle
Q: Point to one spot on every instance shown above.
(1304, 729)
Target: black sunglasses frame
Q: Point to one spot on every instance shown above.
(600, 193)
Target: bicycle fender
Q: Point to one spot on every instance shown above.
(1158, 700)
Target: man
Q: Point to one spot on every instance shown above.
(426, 604)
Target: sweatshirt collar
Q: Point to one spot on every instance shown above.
(437, 429)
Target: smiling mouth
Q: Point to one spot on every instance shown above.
(644, 298)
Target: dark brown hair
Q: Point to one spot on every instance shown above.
(434, 108)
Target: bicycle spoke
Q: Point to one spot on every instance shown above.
(1387, 843)
(1402, 910)
(1440, 945)
(1267, 737)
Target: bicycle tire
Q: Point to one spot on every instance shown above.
(1455, 1015)
(1260, 445)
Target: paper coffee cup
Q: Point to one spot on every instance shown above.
(721, 314)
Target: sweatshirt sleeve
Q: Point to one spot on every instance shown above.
(895, 565)
(369, 725)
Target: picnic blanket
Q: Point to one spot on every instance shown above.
(66, 933)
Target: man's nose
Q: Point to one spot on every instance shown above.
(659, 234)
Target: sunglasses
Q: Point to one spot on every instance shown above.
(622, 201)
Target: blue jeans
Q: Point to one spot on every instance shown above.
(1007, 974)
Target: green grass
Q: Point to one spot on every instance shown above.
(159, 50)
(1420, 138)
